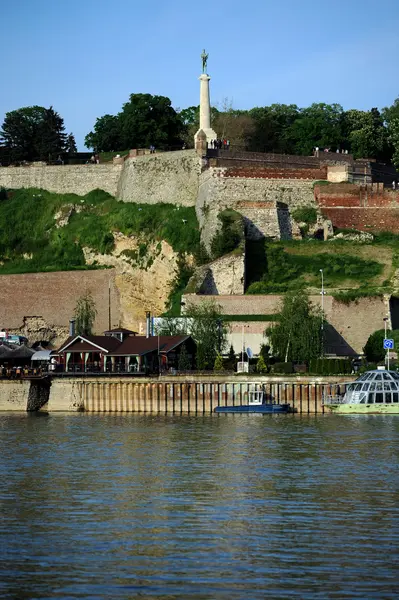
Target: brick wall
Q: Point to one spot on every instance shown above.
(364, 219)
(276, 172)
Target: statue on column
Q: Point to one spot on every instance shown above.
(204, 57)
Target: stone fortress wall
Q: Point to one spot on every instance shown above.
(253, 187)
(63, 179)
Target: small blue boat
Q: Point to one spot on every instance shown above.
(257, 403)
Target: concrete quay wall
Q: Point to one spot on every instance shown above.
(175, 395)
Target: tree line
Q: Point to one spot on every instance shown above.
(37, 133)
(34, 133)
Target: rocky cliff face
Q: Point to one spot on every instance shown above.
(144, 275)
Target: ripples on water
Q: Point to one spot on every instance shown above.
(229, 506)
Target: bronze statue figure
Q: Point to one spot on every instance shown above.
(204, 57)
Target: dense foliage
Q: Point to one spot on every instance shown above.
(209, 331)
(374, 348)
(144, 121)
(230, 236)
(297, 337)
(34, 133)
(30, 240)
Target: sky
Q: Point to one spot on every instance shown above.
(85, 57)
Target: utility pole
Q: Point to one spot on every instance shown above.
(322, 312)
(385, 337)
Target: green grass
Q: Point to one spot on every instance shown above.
(27, 226)
(349, 296)
(273, 269)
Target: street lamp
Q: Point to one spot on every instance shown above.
(322, 312)
(385, 337)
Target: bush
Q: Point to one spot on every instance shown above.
(283, 367)
(230, 236)
(219, 364)
(261, 366)
(305, 214)
(330, 366)
(3, 193)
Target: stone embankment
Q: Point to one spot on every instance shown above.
(199, 395)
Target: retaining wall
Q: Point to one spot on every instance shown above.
(63, 179)
(170, 177)
(184, 395)
(350, 324)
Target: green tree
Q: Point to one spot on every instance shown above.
(271, 128)
(33, 133)
(218, 364)
(208, 330)
(261, 366)
(374, 348)
(106, 136)
(391, 117)
(172, 326)
(318, 125)
(71, 147)
(365, 133)
(297, 337)
(184, 363)
(85, 314)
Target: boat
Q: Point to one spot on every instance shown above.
(258, 402)
(374, 392)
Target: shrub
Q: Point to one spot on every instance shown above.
(283, 367)
(261, 365)
(3, 193)
(231, 234)
(305, 214)
(219, 364)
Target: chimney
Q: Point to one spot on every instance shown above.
(148, 324)
(71, 327)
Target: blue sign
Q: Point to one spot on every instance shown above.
(388, 344)
(249, 353)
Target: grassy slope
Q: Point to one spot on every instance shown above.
(27, 227)
(278, 266)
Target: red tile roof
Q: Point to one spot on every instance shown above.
(134, 345)
(142, 345)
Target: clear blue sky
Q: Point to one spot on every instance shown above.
(85, 57)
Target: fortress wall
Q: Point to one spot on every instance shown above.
(350, 328)
(63, 179)
(41, 304)
(170, 177)
(364, 219)
(255, 198)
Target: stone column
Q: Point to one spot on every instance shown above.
(205, 110)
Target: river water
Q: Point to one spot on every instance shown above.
(228, 506)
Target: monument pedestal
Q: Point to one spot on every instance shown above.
(205, 110)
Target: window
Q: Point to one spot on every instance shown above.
(366, 387)
(395, 397)
(372, 387)
(378, 377)
(379, 398)
(386, 377)
(388, 398)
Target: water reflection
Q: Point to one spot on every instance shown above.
(229, 506)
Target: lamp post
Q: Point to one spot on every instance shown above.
(322, 312)
(385, 337)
